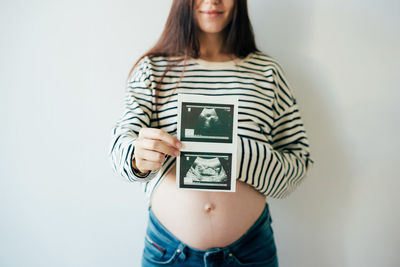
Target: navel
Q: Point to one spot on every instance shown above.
(208, 207)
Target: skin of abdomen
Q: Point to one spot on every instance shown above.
(206, 219)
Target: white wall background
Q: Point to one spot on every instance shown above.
(63, 66)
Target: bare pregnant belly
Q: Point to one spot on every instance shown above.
(203, 219)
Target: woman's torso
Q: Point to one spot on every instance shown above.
(204, 219)
(230, 214)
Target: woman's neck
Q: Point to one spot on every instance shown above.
(211, 47)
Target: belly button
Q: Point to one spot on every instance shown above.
(208, 207)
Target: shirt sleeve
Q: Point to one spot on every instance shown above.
(276, 168)
(138, 108)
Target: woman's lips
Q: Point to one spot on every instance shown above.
(211, 14)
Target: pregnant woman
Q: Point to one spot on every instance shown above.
(208, 48)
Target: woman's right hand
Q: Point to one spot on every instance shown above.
(151, 147)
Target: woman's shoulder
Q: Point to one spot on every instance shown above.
(266, 59)
(149, 63)
(151, 60)
(161, 60)
(269, 63)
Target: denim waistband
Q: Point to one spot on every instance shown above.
(167, 236)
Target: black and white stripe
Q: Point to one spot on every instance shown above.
(273, 149)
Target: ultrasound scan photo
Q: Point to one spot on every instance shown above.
(207, 127)
(207, 122)
(205, 170)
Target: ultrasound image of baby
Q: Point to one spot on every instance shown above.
(209, 122)
(206, 170)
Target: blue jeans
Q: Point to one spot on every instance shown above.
(254, 248)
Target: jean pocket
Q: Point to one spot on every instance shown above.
(157, 252)
(259, 249)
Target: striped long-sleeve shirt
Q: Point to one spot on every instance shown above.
(273, 148)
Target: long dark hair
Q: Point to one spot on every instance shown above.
(179, 37)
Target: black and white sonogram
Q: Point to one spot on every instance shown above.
(207, 122)
(205, 170)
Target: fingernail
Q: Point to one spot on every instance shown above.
(179, 144)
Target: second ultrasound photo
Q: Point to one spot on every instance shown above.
(203, 170)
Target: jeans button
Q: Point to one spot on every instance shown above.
(229, 259)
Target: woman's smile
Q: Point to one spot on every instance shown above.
(212, 17)
(211, 13)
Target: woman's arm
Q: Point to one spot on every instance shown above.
(137, 114)
(276, 168)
